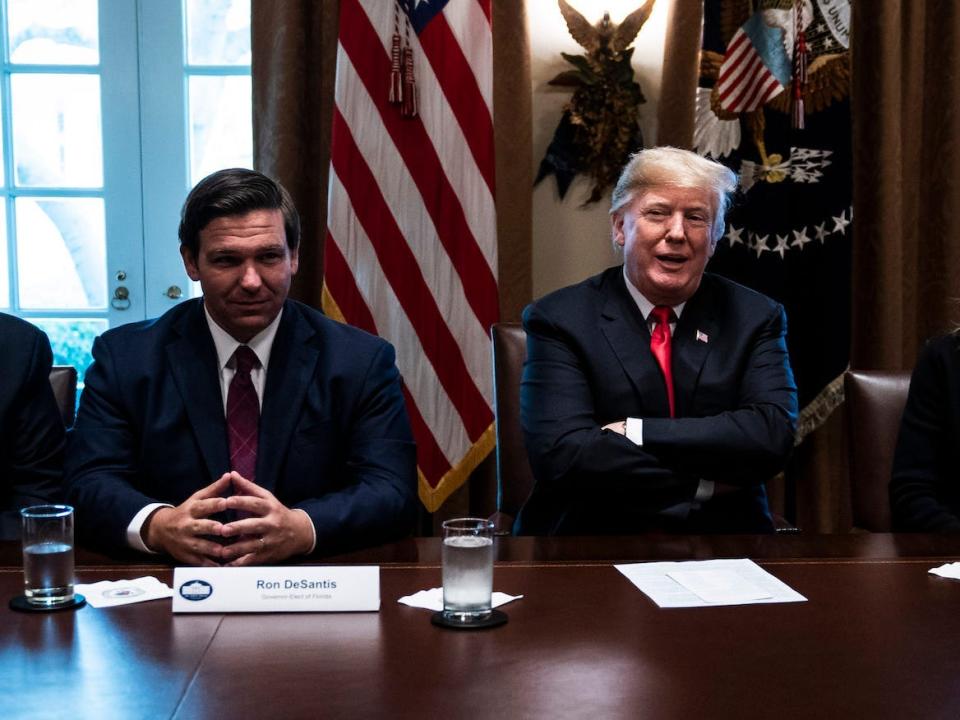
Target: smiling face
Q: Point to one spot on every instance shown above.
(666, 235)
(244, 267)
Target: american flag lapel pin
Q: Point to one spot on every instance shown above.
(702, 336)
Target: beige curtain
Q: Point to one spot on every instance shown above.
(681, 69)
(294, 47)
(906, 129)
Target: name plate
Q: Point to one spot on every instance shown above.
(276, 589)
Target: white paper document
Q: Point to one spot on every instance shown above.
(708, 583)
(432, 599)
(108, 593)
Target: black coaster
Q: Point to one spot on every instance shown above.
(494, 619)
(20, 604)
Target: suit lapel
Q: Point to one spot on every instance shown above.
(696, 330)
(192, 359)
(292, 364)
(628, 335)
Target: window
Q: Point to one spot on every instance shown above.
(110, 111)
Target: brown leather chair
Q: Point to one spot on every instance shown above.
(874, 401)
(63, 380)
(514, 476)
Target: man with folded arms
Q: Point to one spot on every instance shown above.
(655, 396)
(243, 427)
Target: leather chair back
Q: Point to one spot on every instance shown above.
(874, 401)
(63, 380)
(514, 476)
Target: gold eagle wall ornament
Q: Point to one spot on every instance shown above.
(600, 126)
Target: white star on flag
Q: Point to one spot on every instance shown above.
(760, 244)
(822, 232)
(840, 223)
(782, 244)
(733, 236)
(800, 238)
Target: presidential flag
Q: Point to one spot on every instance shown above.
(411, 247)
(788, 233)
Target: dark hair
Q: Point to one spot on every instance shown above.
(235, 191)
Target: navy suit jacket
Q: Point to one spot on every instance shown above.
(31, 428)
(589, 364)
(334, 441)
(924, 490)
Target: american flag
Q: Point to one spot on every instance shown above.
(411, 247)
(755, 67)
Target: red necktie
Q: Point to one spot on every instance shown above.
(243, 415)
(660, 347)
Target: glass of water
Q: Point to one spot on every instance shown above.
(467, 569)
(48, 554)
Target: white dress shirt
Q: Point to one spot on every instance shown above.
(226, 345)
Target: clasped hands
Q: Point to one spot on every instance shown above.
(268, 531)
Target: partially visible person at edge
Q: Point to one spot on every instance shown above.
(31, 427)
(243, 427)
(655, 395)
(925, 488)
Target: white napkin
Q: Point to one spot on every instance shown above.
(950, 570)
(108, 593)
(432, 599)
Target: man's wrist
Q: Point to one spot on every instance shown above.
(135, 529)
(149, 532)
(305, 531)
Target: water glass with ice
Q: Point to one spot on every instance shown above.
(467, 569)
(48, 554)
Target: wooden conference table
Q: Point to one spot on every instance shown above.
(877, 639)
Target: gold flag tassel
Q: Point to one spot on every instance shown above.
(799, 68)
(396, 82)
(409, 108)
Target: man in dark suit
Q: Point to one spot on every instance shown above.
(655, 396)
(243, 428)
(924, 491)
(31, 428)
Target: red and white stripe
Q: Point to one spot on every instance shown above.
(745, 83)
(411, 250)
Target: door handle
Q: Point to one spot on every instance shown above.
(174, 292)
(121, 298)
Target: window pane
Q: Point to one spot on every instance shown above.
(3, 164)
(62, 32)
(218, 32)
(71, 340)
(61, 253)
(221, 130)
(56, 130)
(4, 268)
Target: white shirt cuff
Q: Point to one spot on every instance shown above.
(134, 539)
(313, 545)
(704, 491)
(634, 430)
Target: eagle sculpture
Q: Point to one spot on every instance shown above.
(599, 128)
